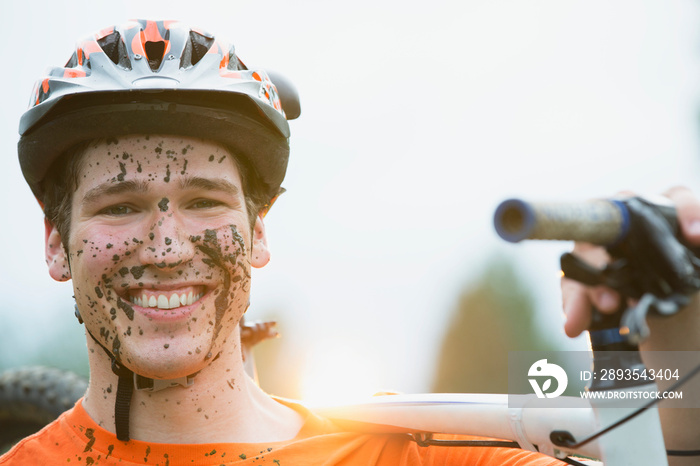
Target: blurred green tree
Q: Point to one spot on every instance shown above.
(492, 317)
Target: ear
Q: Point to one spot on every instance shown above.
(55, 254)
(261, 252)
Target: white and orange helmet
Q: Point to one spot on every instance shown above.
(158, 77)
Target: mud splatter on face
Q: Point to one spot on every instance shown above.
(137, 271)
(215, 263)
(122, 167)
(224, 257)
(116, 347)
(128, 310)
(163, 204)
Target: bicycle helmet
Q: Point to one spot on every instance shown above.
(159, 77)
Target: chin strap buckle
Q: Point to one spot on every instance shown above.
(153, 385)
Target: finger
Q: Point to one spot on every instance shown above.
(592, 254)
(606, 300)
(577, 307)
(688, 208)
(578, 302)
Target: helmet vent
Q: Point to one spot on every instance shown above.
(154, 52)
(200, 46)
(233, 62)
(73, 62)
(113, 46)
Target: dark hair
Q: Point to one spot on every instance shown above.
(62, 179)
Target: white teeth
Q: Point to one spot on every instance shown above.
(162, 302)
(174, 301)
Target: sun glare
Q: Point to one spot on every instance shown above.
(339, 375)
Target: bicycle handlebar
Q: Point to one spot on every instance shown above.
(602, 222)
(598, 222)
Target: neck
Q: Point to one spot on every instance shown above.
(222, 406)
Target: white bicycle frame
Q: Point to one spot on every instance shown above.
(523, 419)
(637, 442)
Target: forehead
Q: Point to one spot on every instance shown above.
(154, 158)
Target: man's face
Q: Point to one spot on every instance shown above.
(160, 251)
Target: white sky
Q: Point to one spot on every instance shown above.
(416, 122)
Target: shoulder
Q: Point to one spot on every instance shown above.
(344, 443)
(474, 455)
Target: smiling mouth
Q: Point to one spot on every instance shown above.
(166, 299)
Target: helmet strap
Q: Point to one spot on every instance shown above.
(122, 404)
(128, 380)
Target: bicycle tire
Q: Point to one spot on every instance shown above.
(32, 397)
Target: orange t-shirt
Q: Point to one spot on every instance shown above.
(75, 439)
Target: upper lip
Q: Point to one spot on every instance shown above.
(164, 286)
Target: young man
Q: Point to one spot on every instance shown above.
(155, 154)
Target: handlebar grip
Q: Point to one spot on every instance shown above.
(601, 222)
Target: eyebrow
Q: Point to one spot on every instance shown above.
(190, 182)
(209, 184)
(107, 189)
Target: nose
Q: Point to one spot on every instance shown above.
(166, 246)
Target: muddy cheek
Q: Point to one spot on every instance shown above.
(225, 251)
(107, 256)
(103, 267)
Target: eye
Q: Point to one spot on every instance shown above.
(116, 210)
(205, 204)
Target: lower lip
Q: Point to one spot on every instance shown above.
(168, 315)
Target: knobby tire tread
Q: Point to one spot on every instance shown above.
(31, 397)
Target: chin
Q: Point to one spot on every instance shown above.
(172, 362)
